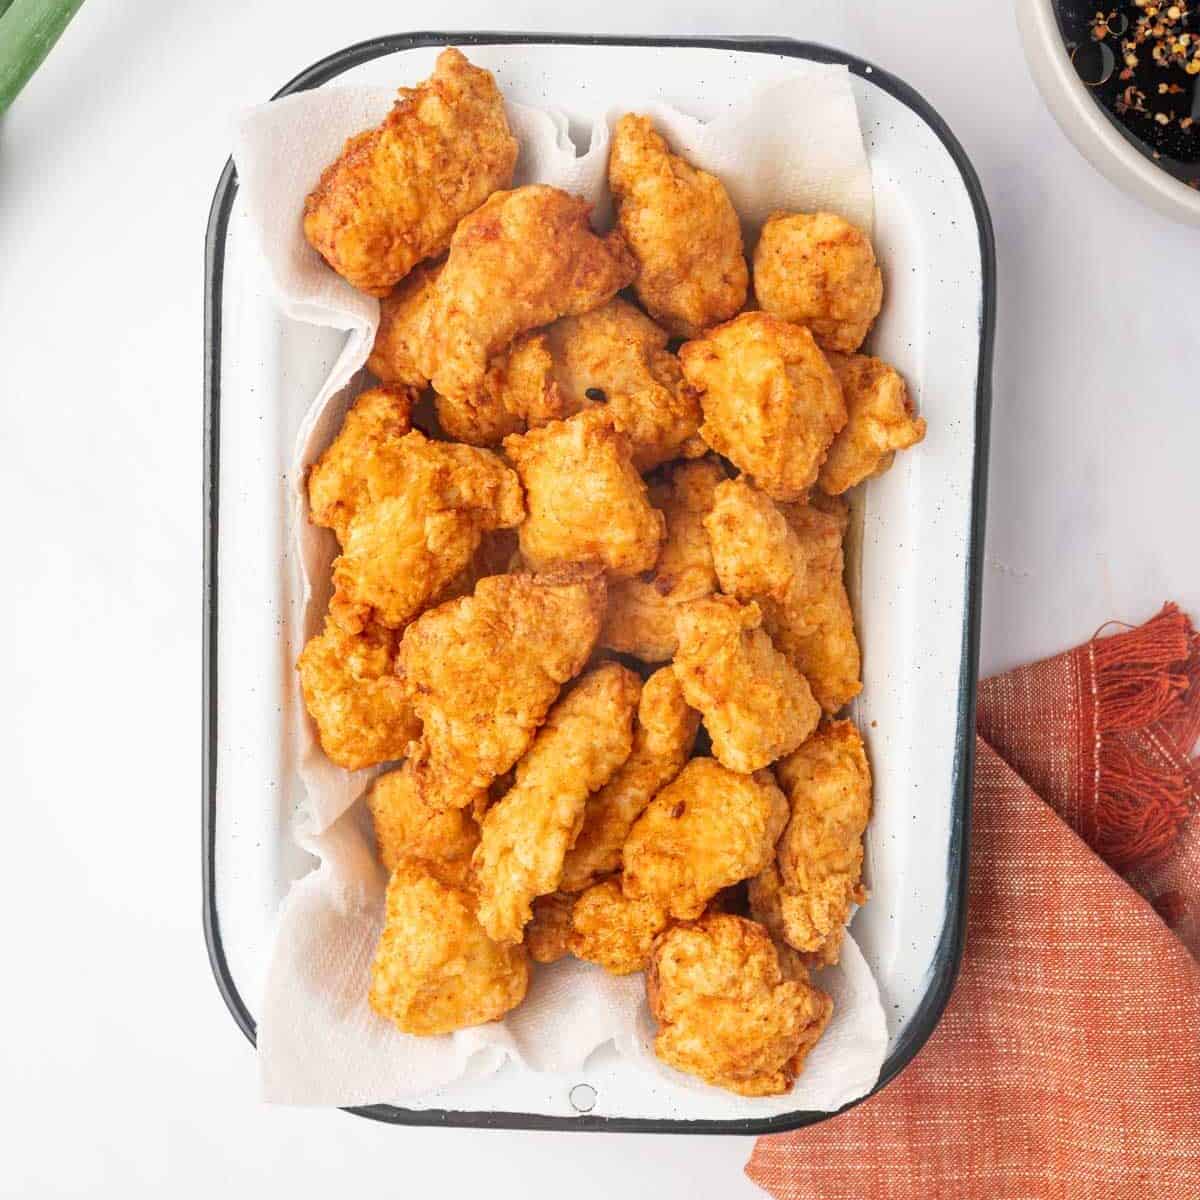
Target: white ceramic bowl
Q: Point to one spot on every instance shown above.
(1082, 120)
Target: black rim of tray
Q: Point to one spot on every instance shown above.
(950, 946)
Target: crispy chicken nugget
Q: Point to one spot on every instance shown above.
(613, 931)
(804, 897)
(526, 835)
(586, 502)
(523, 259)
(662, 740)
(362, 713)
(435, 969)
(549, 929)
(727, 1011)
(816, 629)
(880, 422)
(641, 612)
(429, 504)
(402, 317)
(756, 705)
(408, 826)
(337, 481)
(396, 193)
(682, 228)
(772, 403)
(708, 829)
(818, 270)
(483, 670)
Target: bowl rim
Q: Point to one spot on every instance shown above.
(948, 956)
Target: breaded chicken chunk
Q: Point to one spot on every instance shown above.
(428, 505)
(549, 929)
(337, 481)
(362, 713)
(613, 931)
(525, 836)
(435, 969)
(662, 740)
(586, 502)
(483, 670)
(397, 192)
(707, 830)
(756, 705)
(402, 318)
(880, 422)
(772, 403)
(641, 612)
(522, 259)
(818, 270)
(682, 228)
(816, 629)
(408, 826)
(804, 897)
(726, 1012)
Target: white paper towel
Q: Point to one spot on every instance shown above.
(795, 145)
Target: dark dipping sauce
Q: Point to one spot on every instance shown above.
(1134, 59)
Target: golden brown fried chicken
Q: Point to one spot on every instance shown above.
(586, 502)
(436, 970)
(526, 835)
(772, 403)
(705, 831)
(756, 705)
(804, 897)
(362, 713)
(337, 481)
(483, 671)
(549, 929)
(662, 740)
(682, 228)
(880, 422)
(818, 270)
(428, 505)
(726, 1011)
(397, 192)
(641, 612)
(402, 317)
(521, 260)
(613, 931)
(408, 826)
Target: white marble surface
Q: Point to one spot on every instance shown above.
(120, 1072)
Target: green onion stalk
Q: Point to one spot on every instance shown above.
(28, 31)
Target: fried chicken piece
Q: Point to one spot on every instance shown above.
(756, 705)
(727, 1012)
(483, 670)
(682, 228)
(880, 422)
(816, 630)
(408, 826)
(362, 713)
(526, 835)
(549, 929)
(804, 897)
(613, 931)
(818, 270)
(663, 736)
(586, 502)
(708, 829)
(397, 192)
(429, 504)
(772, 403)
(522, 259)
(402, 317)
(337, 482)
(435, 969)
(641, 612)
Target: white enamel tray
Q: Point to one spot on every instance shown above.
(916, 578)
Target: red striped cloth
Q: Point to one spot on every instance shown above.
(1067, 1064)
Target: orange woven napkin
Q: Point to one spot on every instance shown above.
(1067, 1063)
